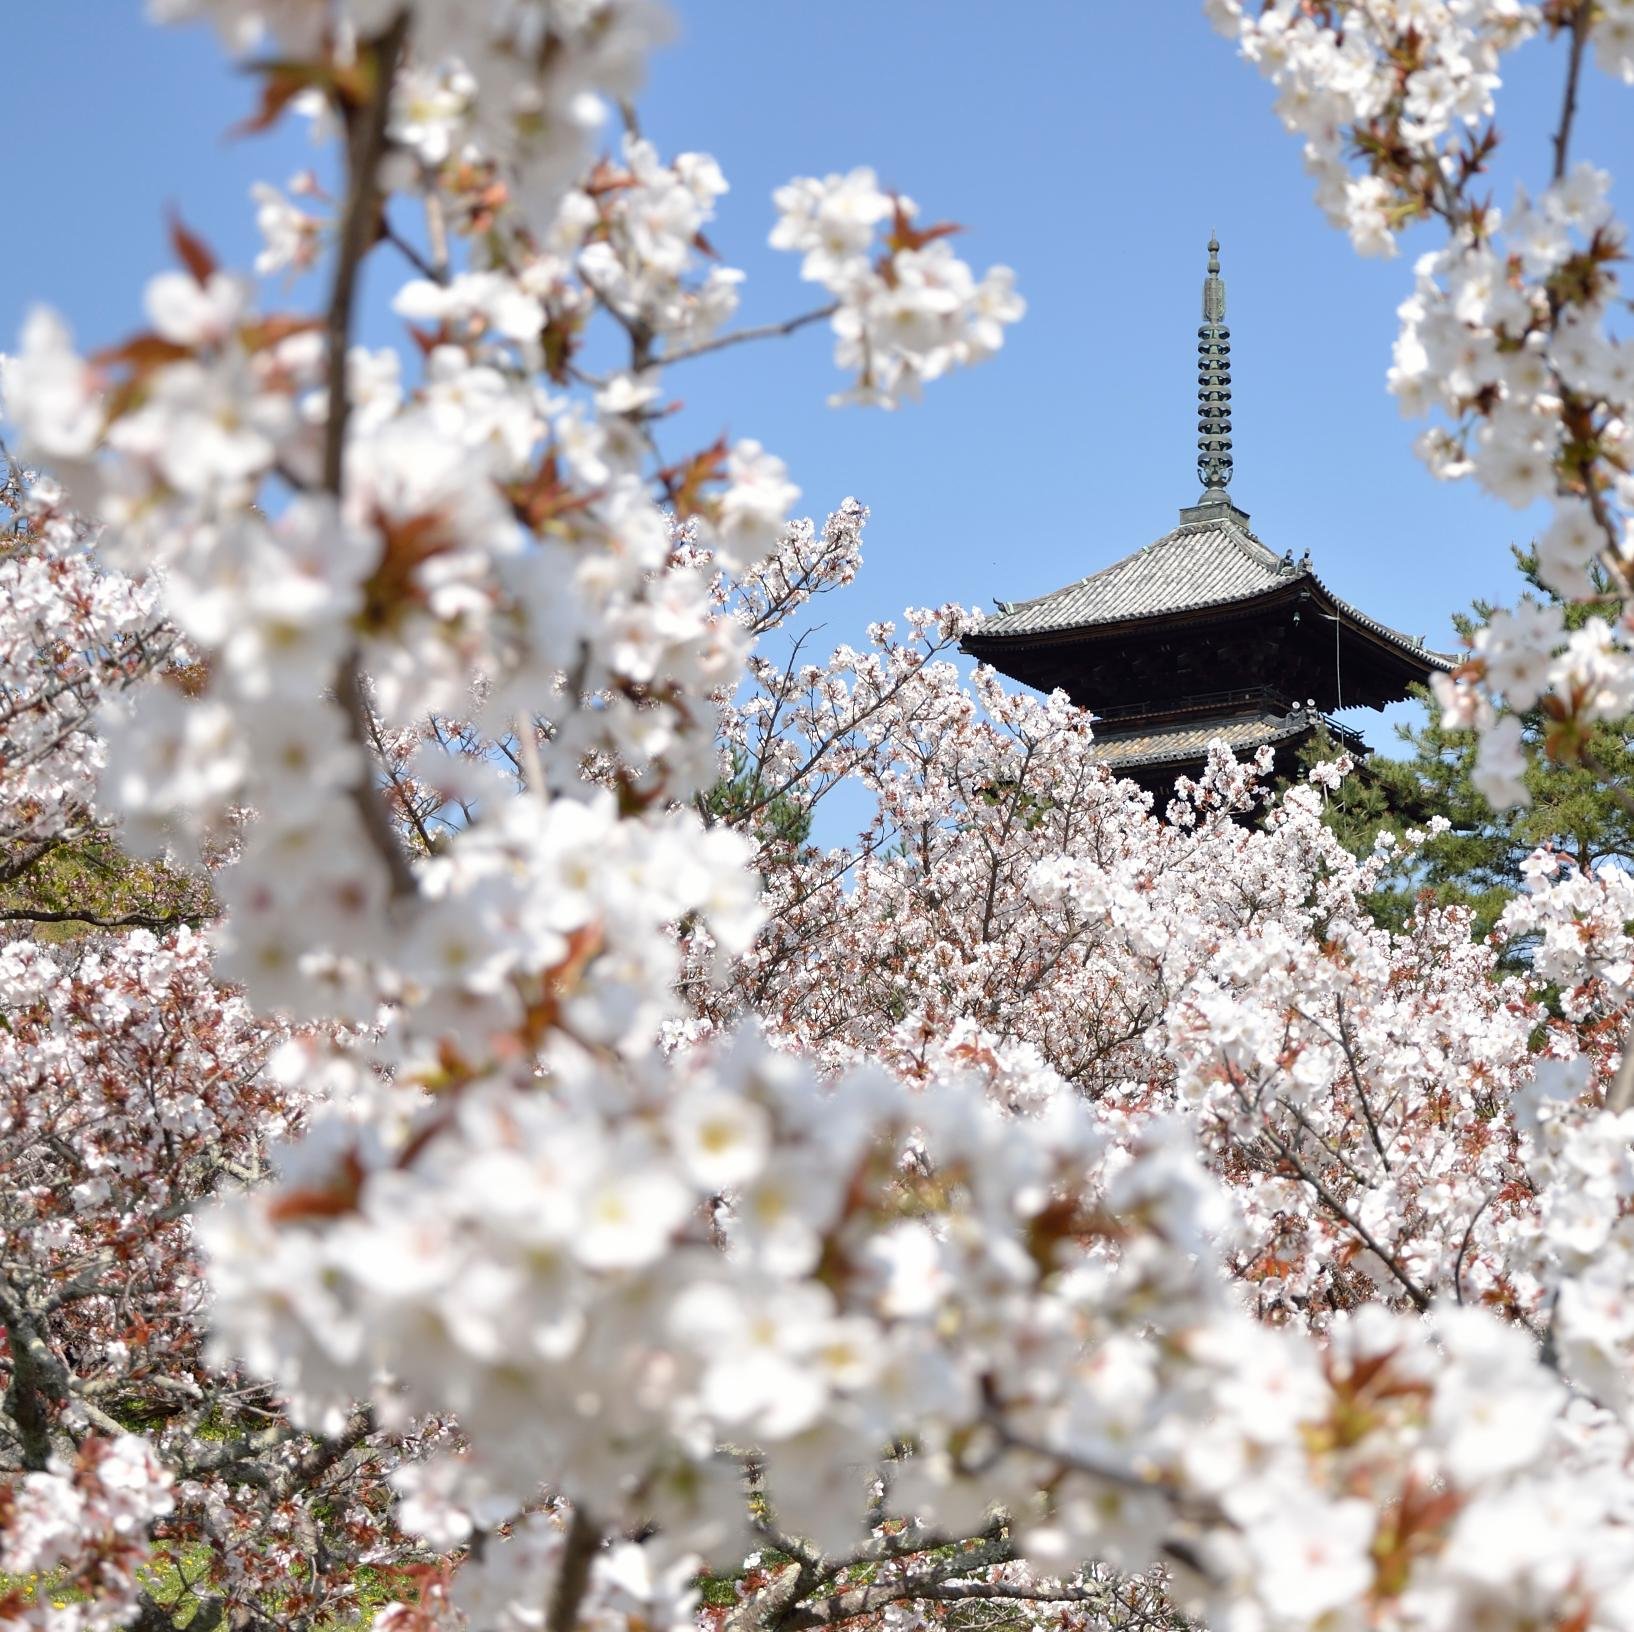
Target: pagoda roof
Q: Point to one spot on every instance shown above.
(1191, 739)
(1210, 560)
(1204, 633)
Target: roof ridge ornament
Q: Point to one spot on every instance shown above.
(1214, 385)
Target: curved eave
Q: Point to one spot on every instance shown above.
(1393, 638)
(1232, 607)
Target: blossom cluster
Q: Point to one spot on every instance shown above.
(73, 1537)
(521, 90)
(913, 311)
(627, 1589)
(1374, 1147)
(453, 602)
(134, 1088)
(73, 634)
(1011, 895)
(1418, 74)
(1036, 1181)
(1509, 341)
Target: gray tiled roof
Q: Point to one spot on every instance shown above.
(1191, 740)
(1202, 563)
(1193, 566)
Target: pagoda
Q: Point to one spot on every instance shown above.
(1205, 635)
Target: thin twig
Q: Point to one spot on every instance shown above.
(637, 328)
(1346, 1044)
(1107, 1472)
(371, 809)
(1463, 1248)
(1417, 1295)
(765, 331)
(437, 234)
(410, 809)
(412, 255)
(1574, 66)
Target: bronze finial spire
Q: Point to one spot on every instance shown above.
(1214, 384)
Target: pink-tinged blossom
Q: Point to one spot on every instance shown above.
(578, 1122)
(1517, 648)
(1317, 1562)
(912, 311)
(83, 1526)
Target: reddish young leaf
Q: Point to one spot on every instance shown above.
(141, 352)
(196, 255)
(280, 85)
(275, 328)
(905, 235)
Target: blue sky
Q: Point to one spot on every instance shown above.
(1093, 146)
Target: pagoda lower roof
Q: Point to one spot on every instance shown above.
(1211, 560)
(1192, 739)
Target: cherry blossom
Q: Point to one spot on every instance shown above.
(548, 1178)
(84, 1525)
(1509, 340)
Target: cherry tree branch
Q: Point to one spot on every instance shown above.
(129, 920)
(237, 1452)
(410, 809)
(639, 331)
(37, 1377)
(27, 856)
(868, 1596)
(1463, 1246)
(952, 1591)
(738, 337)
(573, 1575)
(349, 693)
(846, 728)
(411, 254)
(1419, 1298)
(1574, 66)
(360, 225)
(1347, 1044)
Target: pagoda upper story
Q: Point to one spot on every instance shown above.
(1205, 633)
